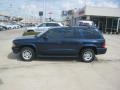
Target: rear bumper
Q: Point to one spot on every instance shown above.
(15, 50)
(101, 50)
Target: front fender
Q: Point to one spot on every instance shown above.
(29, 45)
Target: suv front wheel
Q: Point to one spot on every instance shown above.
(27, 54)
(87, 55)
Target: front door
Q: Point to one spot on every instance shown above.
(50, 42)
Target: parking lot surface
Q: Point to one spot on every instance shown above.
(59, 73)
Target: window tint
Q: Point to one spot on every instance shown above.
(54, 34)
(91, 34)
(51, 24)
(69, 33)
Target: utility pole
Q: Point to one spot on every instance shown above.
(85, 2)
(118, 25)
(50, 16)
(44, 9)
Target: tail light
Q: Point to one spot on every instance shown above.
(104, 45)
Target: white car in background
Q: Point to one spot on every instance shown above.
(11, 26)
(16, 26)
(43, 26)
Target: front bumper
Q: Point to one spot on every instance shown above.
(101, 50)
(15, 50)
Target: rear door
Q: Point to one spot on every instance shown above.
(70, 42)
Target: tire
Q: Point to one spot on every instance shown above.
(30, 31)
(27, 54)
(87, 55)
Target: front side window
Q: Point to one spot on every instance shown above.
(42, 25)
(51, 24)
(54, 34)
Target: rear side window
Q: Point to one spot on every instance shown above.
(69, 33)
(91, 34)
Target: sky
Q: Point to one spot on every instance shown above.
(30, 8)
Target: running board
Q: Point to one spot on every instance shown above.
(55, 56)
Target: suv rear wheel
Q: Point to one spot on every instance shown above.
(87, 55)
(27, 54)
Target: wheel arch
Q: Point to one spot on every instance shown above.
(89, 47)
(30, 46)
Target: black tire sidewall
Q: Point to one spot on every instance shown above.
(31, 50)
(30, 31)
(85, 50)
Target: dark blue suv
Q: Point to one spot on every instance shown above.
(82, 42)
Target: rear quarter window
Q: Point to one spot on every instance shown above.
(91, 34)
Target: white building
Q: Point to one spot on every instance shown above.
(107, 19)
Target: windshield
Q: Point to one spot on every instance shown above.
(41, 33)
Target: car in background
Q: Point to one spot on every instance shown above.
(43, 26)
(8, 26)
(11, 26)
(63, 41)
(16, 26)
(4, 25)
(2, 28)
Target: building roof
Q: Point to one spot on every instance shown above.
(102, 11)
